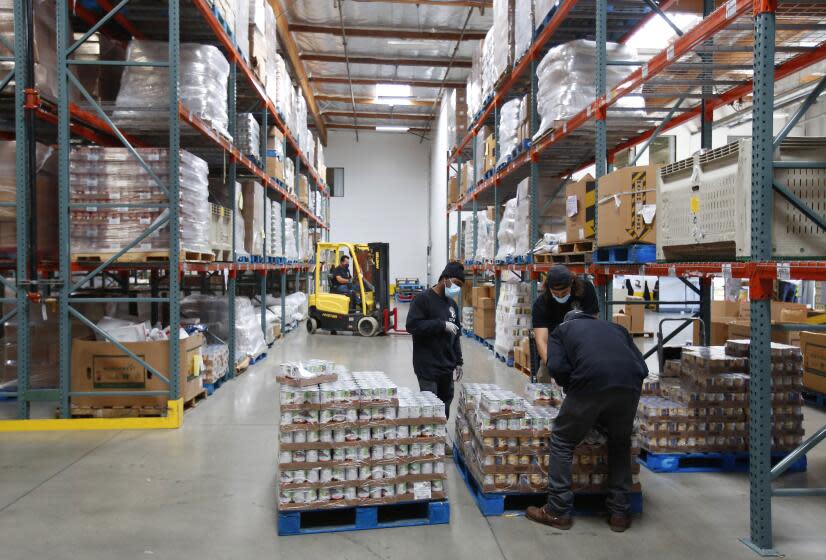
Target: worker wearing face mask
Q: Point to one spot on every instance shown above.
(561, 293)
(434, 322)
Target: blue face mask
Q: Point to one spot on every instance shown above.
(452, 290)
(563, 299)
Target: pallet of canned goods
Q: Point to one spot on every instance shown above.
(358, 440)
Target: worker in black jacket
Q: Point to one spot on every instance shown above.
(601, 371)
(433, 320)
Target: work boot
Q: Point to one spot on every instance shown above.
(542, 515)
(619, 522)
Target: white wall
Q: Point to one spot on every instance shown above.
(385, 198)
(438, 196)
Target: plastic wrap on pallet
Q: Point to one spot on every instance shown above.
(109, 175)
(290, 250)
(275, 248)
(249, 339)
(484, 237)
(296, 303)
(541, 10)
(523, 26)
(257, 15)
(513, 315)
(240, 231)
(486, 65)
(248, 135)
(215, 362)
(474, 82)
(289, 174)
(522, 220)
(371, 443)
(242, 29)
(507, 224)
(144, 92)
(566, 79)
(509, 121)
(502, 55)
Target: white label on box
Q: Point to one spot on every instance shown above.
(647, 212)
(617, 200)
(570, 206)
(114, 220)
(784, 271)
(731, 8)
(421, 491)
(91, 208)
(727, 271)
(582, 233)
(669, 53)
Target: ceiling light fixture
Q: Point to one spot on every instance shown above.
(392, 90)
(392, 128)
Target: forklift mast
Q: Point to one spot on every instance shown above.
(380, 253)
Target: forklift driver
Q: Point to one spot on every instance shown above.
(342, 281)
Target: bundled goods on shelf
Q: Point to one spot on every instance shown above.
(258, 49)
(487, 66)
(213, 311)
(786, 388)
(509, 123)
(220, 231)
(240, 232)
(503, 440)
(300, 120)
(102, 82)
(318, 204)
(484, 236)
(248, 138)
(580, 209)
(109, 175)
(502, 37)
(144, 91)
(242, 24)
(356, 440)
(566, 79)
(706, 203)
(303, 236)
(481, 163)
(467, 317)
(474, 84)
(506, 233)
(291, 248)
(627, 206)
(45, 186)
(272, 321)
(44, 53)
(544, 394)
(523, 26)
(813, 347)
(249, 339)
(215, 362)
(484, 311)
(275, 247)
(456, 108)
(320, 162)
(275, 153)
(254, 198)
(303, 193)
(279, 87)
(289, 175)
(513, 316)
(227, 10)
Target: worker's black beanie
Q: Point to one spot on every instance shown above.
(559, 277)
(454, 269)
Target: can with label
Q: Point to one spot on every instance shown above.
(312, 495)
(403, 432)
(402, 450)
(313, 475)
(364, 434)
(312, 456)
(312, 436)
(401, 489)
(352, 415)
(300, 436)
(338, 475)
(416, 450)
(351, 474)
(389, 471)
(337, 493)
(286, 497)
(326, 436)
(323, 495)
(286, 437)
(377, 434)
(427, 468)
(437, 485)
(287, 477)
(326, 417)
(285, 457)
(390, 413)
(351, 454)
(339, 436)
(415, 468)
(300, 496)
(389, 432)
(439, 467)
(377, 452)
(388, 491)
(326, 475)
(300, 477)
(377, 472)
(338, 454)
(427, 449)
(364, 453)
(363, 492)
(349, 492)
(390, 451)
(325, 455)
(439, 449)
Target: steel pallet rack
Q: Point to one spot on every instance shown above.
(185, 130)
(740, 48)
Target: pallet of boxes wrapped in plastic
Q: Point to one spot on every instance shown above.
(698, 420)
(501, 449)
(357, 452)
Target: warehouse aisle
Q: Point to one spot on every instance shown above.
(208, 491)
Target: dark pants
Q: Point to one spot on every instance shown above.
(346, 290)
(442, 387)
(613, 411)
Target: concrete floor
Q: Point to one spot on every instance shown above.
(208, 490)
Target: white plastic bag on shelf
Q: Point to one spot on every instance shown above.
(248, 134)
(509, 128)
(144, 90)
(242, 26)
(505, 234)
(522, 220)
(290, 249)
(296, 303)
(249, 338)
(549, 243)
(523, 26)
(541, 10)
(502, 56)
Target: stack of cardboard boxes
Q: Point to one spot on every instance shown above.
(632, 317)
(484, 311)
(731, 319)
(580, 209)
(627, 206)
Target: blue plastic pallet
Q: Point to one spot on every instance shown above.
(814, 398)
(258, 358)
(508, 361)
(627, 254)
(515, 503)
(707, 462)
(337, 520)
(212, 387)
(220, 17)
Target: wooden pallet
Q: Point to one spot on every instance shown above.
(643, 334)
(193, 402)
(222, 255)
(577, 247)
(144, 257)
(243, 365)
(579, 257)
(117, 411)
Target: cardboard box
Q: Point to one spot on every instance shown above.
(101, 366)
(490, 152)
(722, 313)
(636, 315)
(452, 190)
(813, 346)
(484, 322)
(742, 329)
(258, 53)
(303, 189)
(627, 199)
(467, 178)
(482, 291)
(487, 303)
(580, 209)
(275, 168)
(623, 320)
(778, 308)
(467, 293)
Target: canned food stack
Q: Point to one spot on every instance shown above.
(544, 394)
(215, 362)
(513, 315)
(702, 411)
(503, 440)
(248, 135)
(358, 441)
(787, 387)
(275, 249)
(101, 175)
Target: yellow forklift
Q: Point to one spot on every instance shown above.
(368, 312)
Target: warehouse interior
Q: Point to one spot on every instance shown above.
(185, 348)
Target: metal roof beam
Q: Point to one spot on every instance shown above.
(374, 81)
(388, 33)
(388, 61)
